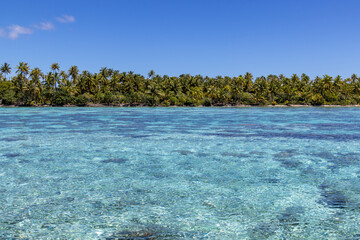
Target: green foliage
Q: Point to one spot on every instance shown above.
(207, 102)
(62, 97)
(108, 98)
(247, 98)
(111, 87)
(317, 100)
(174, 101)
(9, 97)
(7, 94)
(81, 100)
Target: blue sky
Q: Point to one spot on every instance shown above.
(185, 36)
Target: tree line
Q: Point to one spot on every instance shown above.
(31, 87)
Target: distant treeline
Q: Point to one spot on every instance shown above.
(111, 87)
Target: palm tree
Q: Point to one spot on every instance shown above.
(237, 89)
(151, 73)
(22, 70)
(35, 82)
(55, 67)
(105, 73)
(87, 82)
(248, 82)
(73, 73)
(5, 69)
(64, 81)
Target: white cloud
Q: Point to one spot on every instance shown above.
(45, 26)
(16, 30)
(2, 33)
(66, 19)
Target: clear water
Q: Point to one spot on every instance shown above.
(179, 173)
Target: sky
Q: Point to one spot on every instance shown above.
(172, 37)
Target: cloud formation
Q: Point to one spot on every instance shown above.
(45, 26)
(16, 30)
(66, 19)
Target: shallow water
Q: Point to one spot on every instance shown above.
(179, 173)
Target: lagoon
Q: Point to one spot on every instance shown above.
(180, 173)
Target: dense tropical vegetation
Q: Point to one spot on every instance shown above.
(32, 87)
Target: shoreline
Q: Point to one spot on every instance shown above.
(200, 106)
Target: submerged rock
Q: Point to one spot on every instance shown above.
(262, 231)
(259, 153)
(285, 154)
(339, 160)
(331, 197)
(290, 164)
(115, 160)
(286, 159)
(47, 160)
(231, 154)
(184, 152)
(13, 139)
(271, 180)
(291, 216)
(151, 233)
(203, 154)
(11, 155)
(24, 161)
(132, 235)
(345, 159)
(334, 199)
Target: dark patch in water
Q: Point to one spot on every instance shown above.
(324, 155)
(291, 216)
(22, 179)
(143, 234)
(272, 180)
(11, 155)
(140, 136)
(68, 199)
(332, 198)
(293, 135)
(46, 160)
(231, 154)
(48, 226)
(311, 173)
(133, 235)
(290, 164)
(284, 157)
(203, 154)
(285, 154)
(262, 231)
(308, 171)
(339, 160)
(257, 153)
(97, 205)
(324, 186)
(151, 233)
(24, 161)
(115, 160)
(183, 152)
(13, 139)
(345, 159)
(225, 134)
(354, 237)
(119, 205)
(161, 174)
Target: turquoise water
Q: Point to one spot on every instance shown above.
(179, 173)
